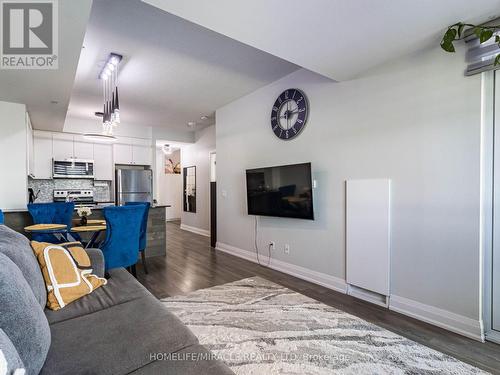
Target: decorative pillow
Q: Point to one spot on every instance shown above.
(67, 271)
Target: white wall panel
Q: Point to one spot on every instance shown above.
(368, 234)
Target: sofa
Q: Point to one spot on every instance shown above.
(119, 328)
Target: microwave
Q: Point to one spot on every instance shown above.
(73, 168)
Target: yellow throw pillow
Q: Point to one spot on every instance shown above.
(67, 271)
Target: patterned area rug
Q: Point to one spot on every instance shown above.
(258, 327)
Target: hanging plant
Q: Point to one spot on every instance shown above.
(456, 32)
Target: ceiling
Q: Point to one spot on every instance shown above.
(173, 71)
(336, 38)
(46, 93)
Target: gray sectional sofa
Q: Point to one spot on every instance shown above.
(120, 328)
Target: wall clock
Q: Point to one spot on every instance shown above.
(289, 114)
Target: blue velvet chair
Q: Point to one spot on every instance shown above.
(122, 236)
(144, 230)
(51, 213)
(1, 217)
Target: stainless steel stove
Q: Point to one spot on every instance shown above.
(77, 196)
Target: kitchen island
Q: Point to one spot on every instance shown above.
(156, 242)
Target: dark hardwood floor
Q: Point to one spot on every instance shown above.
(192, 264)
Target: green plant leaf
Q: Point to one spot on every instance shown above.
(460, 29)
(478, 31)
(497, 38)
(497, 60)
(485, 35)
(450, 35)
(447, 46)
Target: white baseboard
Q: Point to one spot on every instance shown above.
(442, 318)
(189, 228)
(174, 219)
(330, 282)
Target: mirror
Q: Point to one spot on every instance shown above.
(190, 189)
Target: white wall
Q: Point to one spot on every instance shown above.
(198, 154)
(415, 121)
(168, 189)
(13, 156)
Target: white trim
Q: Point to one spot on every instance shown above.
(368, 295)
(442, 318)
(173, 219)
(200, 231)
(328, 281)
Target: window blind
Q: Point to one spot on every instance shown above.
(480, 57)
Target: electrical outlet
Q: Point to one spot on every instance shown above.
(272, 245)
(287, 249)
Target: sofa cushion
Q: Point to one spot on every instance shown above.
(121, 287)
(22, 317)
(116, 340)
(193, 360)
(9, 357)
(18, 249)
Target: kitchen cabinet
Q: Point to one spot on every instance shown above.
(103, 162)
(141, 155)
(62, 146)
(123, 154)
(42, 155)
(83, 150)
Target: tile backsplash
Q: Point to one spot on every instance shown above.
(102, 193)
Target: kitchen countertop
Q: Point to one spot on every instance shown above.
(96, 207)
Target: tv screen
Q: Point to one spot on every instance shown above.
(284, 191)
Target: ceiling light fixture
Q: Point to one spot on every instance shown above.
(111, 112)
(204, 117)
(191, 124)
(99, 137)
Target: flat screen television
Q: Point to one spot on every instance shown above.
(283, 191)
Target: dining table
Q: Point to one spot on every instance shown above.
(60, 231)
(93, 227)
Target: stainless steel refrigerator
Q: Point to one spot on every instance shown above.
(133, 185)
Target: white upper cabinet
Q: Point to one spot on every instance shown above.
(42, 155)
(103, 162)
(141, 155)
(62, 146)
(83, 150)
(123, 154)
(133, 151)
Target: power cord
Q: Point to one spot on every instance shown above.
(257, 246)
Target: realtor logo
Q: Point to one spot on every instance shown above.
(29, 34)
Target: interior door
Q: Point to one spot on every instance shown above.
(495, 284)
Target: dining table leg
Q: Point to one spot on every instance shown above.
(93, 240)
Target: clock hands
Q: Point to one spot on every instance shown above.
(287, 113)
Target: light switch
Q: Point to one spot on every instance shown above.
(224, 193)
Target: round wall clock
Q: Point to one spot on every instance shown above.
(289, 114)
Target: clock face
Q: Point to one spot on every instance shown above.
(289, 114)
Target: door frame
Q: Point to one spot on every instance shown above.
(490, 137)
(210, 153)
